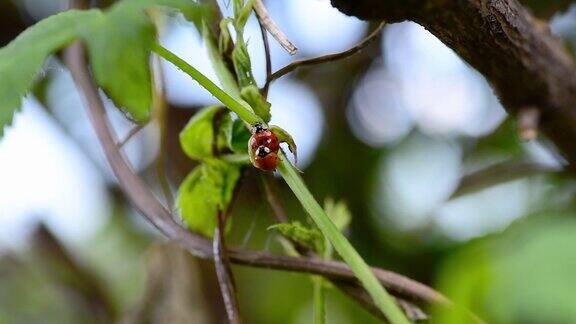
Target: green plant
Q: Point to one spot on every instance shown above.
(122, 71)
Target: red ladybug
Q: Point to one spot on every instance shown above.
(264, 137)
(264, 147)
(265, 159)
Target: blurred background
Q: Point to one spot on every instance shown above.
(408, 135)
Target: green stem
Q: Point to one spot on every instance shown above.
(381, 298)
(362, 271)
(226, 78)
(242, 109)
(319, 296)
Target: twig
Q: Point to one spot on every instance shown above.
(272, 28)
(161, 168)
(326, 58)
(414, 312)
(273, 200)
(149, 207)
(352, 290)
(498, 174)
(224, 272)
(135, 130)
(160, 108)
(267, 56)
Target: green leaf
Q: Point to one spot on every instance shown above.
(251, 94)
(525, 275)
(197, 137)
(118, 41)
(239, 136)
(225, 40)
(338, 212)
(309, 237)
(242, 13)
(284, 136)
(242, 63)
(21, 60)
(119, 45)
(205, 191)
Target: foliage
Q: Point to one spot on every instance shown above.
(198, 135)
(118, 41)
(308, 237)
(285, 137)
(206, 191)
(381, 298)
(21, 60)
(525, 275)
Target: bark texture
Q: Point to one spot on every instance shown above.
(526, 65)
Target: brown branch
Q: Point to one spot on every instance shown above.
(351, 289)
(160, 114)
(524, 62)
(273, 200)
(224, 272)
(498, 174)
(267, 54)
(326, 58)
(272, 28)
(413, 312)
(135, 130)
(148, 205)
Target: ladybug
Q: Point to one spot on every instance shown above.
(263, 137)
(265, 159)
(263, 147)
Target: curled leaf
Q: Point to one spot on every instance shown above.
(295, 231)
(285, 137)
(197, 137)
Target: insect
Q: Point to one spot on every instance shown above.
(263, 147)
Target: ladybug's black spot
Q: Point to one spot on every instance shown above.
(262, 151)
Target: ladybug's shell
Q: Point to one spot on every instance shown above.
(267, 163)
(264, 138)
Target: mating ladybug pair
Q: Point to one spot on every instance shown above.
(263, 147)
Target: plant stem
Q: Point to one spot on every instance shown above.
(319, 296)
(242, 109)
(381, 298)
(361, 270)
(226, 78)
(224, 272)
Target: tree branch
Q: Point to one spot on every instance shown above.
(150, 207)
(224, 272)
(498, 174)
(271, 27)
(325, 58)
(524, 62)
